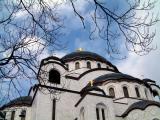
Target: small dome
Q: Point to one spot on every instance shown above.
(21, 101)
(83, 55)
(114, 76)
(118, 77)
(140, 105)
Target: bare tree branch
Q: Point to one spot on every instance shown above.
(23, 39)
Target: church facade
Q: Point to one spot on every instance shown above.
(85, 86)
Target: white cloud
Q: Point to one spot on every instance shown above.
(144, 66)
(34, 43)
(36, 46)
(60, 54)
(21, 14)
(35, 7)
(72, 21)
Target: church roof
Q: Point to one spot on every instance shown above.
(84, 55)
(21, 101)
(119, 77)
(114, 76)
(148, 80)
(140, 105)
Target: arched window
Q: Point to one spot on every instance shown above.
(97, 113)
(100, 111)
(77, 65)
(146, 93)
(98, 65)
(137, 92)
(156, 95)
(111, 92)
(23, 114)
(88, 65)
(82, 112)
(54, 76)
(13, 115)
(125, 91)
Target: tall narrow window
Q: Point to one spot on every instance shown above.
(111, 92)
(98, 65)
(23, 114)
(77, 65)
(54, 76)
(146, 93)
(103, 114)
(125, 91)
(88, 65)
(97, 113)
(54, 110)
(4, 113)
(82, 114)
(12, 115)
(137, 91)
(100, 111)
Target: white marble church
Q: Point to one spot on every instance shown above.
(85, 86)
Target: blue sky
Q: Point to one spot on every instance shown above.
(139, 66)
(75, 36)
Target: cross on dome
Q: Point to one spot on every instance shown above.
(80, 49)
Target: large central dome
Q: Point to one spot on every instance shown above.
(84, 55)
